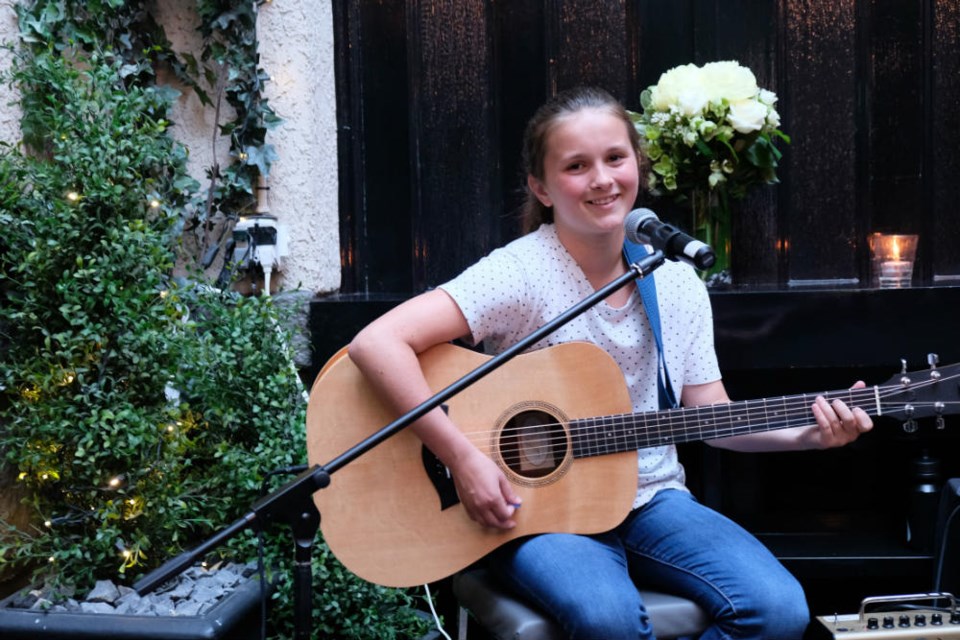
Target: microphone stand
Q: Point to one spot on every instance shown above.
(293, 503)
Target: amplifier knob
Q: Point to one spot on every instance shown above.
(873, 623)
(936, 618)
(920, 620)
(904, 620)
(888, 622)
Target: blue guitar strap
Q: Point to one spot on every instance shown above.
(648, 295)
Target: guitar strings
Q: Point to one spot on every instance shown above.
(789, 410)
(647, 437)
(623, 442)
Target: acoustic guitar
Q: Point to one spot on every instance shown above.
(558, 421)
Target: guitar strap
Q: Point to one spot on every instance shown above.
(634, 252)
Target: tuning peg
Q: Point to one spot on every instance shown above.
(933, 360)
(904, 379)
(910, 426)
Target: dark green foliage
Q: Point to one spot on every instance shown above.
(92, 336)
(141, 414)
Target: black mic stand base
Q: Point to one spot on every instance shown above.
(293, 504)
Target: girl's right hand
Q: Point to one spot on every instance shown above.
(485, 492)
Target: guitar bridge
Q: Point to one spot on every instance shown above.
(440, 478)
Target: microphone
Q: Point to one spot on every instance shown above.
(644, 227)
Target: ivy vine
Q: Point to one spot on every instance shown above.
(227, 70)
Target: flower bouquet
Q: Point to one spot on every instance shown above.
(709, 133)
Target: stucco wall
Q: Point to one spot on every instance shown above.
(9, 114)
(296, 47)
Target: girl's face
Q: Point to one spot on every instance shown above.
(590, 173)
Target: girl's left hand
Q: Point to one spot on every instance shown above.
(838, 424)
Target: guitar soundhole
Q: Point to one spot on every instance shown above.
(533, 444)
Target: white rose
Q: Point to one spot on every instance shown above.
(773, 118)
(747, 115)
(727, 79)
(768, 97)
(692, 101)
(672, 83)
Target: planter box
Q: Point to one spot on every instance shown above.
(236, 616)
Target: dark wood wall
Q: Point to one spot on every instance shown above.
(433, 96)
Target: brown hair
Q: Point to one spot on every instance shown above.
(566, 103)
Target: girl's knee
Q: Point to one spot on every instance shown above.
(781, 614)
(770, 612)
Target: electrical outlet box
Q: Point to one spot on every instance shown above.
(260, 241)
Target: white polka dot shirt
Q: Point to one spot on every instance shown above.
(532, 280)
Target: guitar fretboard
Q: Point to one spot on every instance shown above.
(630, 431)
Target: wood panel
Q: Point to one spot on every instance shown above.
(820, 111)
(455, 140)
(587, 44)
(523, 72)
(941, 242)
(895, 78)
(375, 177)
(433, 96)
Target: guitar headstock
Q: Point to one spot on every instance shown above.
(925, 393)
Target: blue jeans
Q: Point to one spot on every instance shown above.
(673, 544)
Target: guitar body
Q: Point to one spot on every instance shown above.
(391, 516)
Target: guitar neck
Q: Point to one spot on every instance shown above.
(631, 431)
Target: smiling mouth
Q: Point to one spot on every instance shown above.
(603, 201)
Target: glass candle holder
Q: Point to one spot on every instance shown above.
(892, 257)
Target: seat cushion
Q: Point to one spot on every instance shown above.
(507, 617)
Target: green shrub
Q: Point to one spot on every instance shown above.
(142, 415)
(94, 337)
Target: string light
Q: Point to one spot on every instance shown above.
(50, 474)
(133, 508)
(30, 394)
(154, 204)
(73, 196)
(116, 481)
